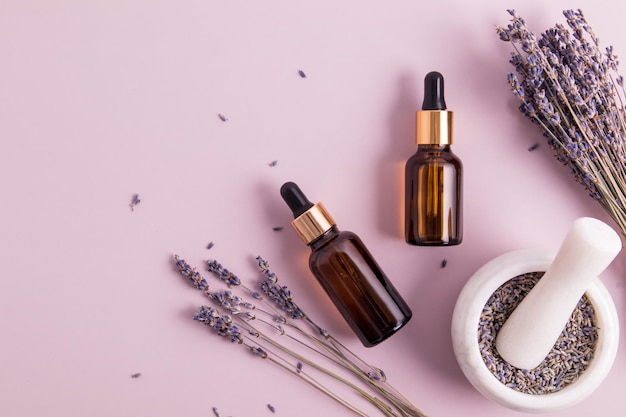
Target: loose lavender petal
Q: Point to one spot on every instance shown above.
(566, 362)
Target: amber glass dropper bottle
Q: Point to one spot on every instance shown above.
(347, 271)
(433, 176)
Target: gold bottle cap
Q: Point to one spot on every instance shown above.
(313, 223)
(434, 127)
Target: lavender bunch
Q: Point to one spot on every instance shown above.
(272, 315)
(570, 87)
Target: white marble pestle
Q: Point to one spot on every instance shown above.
(530, 332)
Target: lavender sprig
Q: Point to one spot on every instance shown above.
(570, 87)
(234, 318)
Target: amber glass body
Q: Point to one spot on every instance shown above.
(357, 286)
(433, 197)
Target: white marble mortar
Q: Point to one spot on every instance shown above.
(465, 321)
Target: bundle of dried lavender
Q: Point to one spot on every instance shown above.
(259, 328)
(571, 88)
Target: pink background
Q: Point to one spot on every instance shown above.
(103, 99)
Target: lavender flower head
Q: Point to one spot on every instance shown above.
(221, 323)
(570, 88)
(224, 274)
(191, 274)
(279, 294)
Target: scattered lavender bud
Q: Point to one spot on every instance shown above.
(277, 228)
(273, 163)
(137, 375)
(444, 263)
(299, 367)
(134, 202)
(216, 412)
(271, 408)
(210, 245)
(533, 147)
(302, 74)
(222, 117)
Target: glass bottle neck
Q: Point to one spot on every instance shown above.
(434, 147)
(324, 238)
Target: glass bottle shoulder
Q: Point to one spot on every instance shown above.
(334, 240)
(435, 154)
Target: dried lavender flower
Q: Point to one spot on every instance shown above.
(222, 117)
(191, 274)
(259, 351)
(279, 294)
(571, 89)
(135, 200)
(224, 274)
(301, 74)
(221, 323)
(273, 163)
(566, 362)
(232, 318)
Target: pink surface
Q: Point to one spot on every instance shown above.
(104, 99)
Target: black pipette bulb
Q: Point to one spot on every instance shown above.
(295, 199)
(433, 92)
